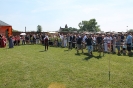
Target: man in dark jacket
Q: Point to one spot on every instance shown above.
(46, 39)
(79, 43)
(89, 42)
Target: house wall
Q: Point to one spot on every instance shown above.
(3, 30)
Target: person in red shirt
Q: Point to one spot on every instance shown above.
(4, 39)
(2, 42)
(18, 39)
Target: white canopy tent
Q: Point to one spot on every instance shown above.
(23, 34)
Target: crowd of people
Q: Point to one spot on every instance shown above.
(110, 43)
(114, 43)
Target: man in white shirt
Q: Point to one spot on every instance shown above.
(109, 38)
(84, 37)
(105, 43)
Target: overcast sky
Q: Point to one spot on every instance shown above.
(111, 15)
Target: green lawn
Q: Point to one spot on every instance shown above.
(29, 66)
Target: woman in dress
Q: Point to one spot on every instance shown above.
(65, 41)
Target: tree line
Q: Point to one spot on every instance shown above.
(89, 26)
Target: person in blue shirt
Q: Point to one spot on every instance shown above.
(129, 43)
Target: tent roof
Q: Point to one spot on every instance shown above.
(3, 23)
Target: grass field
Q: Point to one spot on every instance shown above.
(29, 66)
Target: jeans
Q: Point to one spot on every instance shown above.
(89, 48)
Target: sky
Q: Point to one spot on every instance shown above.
(111, 15)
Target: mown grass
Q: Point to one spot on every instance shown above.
(29, 66)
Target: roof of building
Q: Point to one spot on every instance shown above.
(3, 23)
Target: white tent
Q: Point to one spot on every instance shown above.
(52, 32)
(23, 34)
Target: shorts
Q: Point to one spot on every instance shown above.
(100, 47)
(124, 48)
(129, 47)
(90, 48)
(109, 45)
(79, 46)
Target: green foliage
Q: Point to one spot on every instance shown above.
(70, 29)
(131, 30)
(39, 28)
(90, 26)
(65, 29)
(66, 26)
(13, 30)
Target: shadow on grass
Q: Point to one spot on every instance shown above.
(87, 58)
(42, 51)
(98, 57)
(131, 54)
(92, 56)
(8, 48)
(66, 50)
(78, 54)
(119, 54)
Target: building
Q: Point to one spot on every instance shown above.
(5, 29)
(61, 29)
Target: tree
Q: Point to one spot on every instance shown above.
(90, 26)
(70, 29)
(39, 28)
(13, 30)
(131, 30)
(66, 26)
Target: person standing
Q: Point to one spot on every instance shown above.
(99, 40)
(79, 44)
(100, 44)
(61, 40)
(124, 46)
(114, 44)
(65, 41)
(69, 41)
(84, 37)
(129, 43)
(10, 42)
(109, 42)
(3, 41)
(46, 39)
(23, 40)
(89, 42)
(118, 43)
(37, 39)
(73, 41)
(94, 42)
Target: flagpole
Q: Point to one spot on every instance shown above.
(109, 69)
(109, 62)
